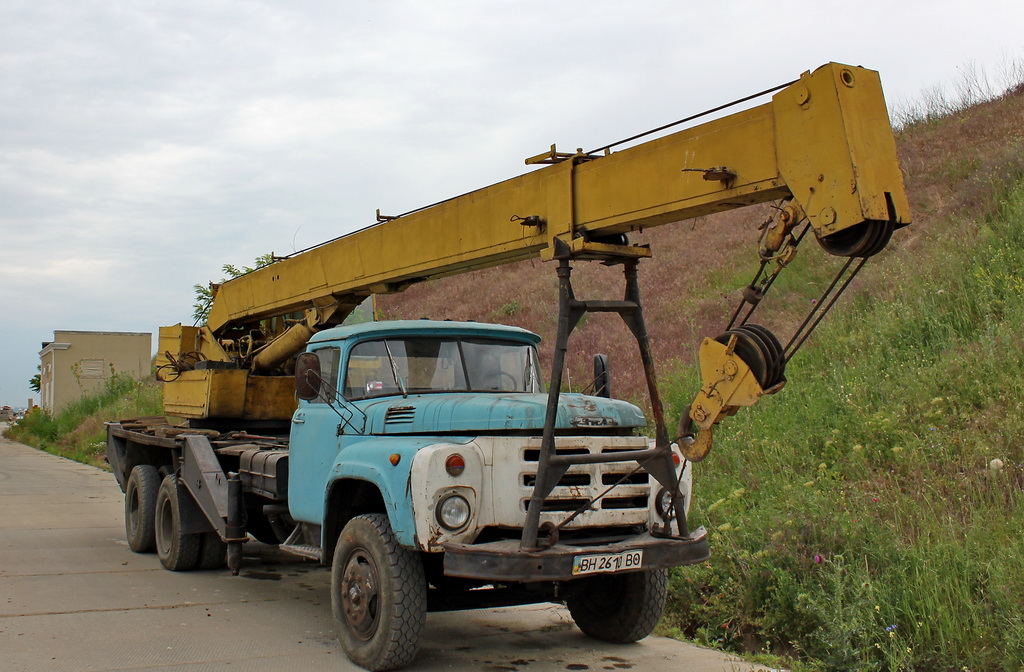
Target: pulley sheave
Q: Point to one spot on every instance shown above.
(760, 350)
(861, 240)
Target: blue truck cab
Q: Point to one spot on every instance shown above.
(399, 399)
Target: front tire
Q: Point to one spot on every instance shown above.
(620, 608)
(378, 595)
(178, 551)
(140, 508)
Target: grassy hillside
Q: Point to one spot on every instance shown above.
(869, 516)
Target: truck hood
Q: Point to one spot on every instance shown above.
(489, 412)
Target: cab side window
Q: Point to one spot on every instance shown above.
(329, 360)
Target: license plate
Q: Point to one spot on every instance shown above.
(608, 562)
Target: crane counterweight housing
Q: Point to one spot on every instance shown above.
(425, 461)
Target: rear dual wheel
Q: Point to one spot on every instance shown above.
(178, 551)
(140, 508)
(213, 553)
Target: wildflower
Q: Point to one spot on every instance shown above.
(822, 466)
(858, 448)
(724, 527)
(995, 465)
(877, 608)
(818, 559)
(739, 492)
(890, 628)
(874, 499)
(808, 484)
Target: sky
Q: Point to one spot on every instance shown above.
(145, 144)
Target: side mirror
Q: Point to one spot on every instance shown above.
(307, 376)
(602, 377)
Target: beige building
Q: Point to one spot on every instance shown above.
(78, 362)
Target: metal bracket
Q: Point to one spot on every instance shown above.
(550, 466)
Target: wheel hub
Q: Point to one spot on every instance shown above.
(360, 594)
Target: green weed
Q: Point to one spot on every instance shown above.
(881, 494)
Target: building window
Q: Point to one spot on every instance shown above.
(91, 368)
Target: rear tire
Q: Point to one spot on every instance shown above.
(378, 595)
(213, 552)
(178, 552)
(620, 608)
(140, 508)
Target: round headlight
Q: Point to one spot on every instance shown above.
(453, 512)
(663, 502)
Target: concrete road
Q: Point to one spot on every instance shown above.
(74, 597)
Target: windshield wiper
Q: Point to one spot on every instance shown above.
(531, 372)
(394, 371)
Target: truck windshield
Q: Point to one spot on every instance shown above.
(426, 365)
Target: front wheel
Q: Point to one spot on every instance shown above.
(378, 595)
(620, 608)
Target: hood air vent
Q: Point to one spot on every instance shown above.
(400, 415)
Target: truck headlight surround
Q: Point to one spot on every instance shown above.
(453, 512)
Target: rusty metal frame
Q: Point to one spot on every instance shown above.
(551, 467)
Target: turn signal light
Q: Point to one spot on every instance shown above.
(455, 464)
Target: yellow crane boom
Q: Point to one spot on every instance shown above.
(824, 141)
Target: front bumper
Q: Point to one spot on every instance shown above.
(504, 561)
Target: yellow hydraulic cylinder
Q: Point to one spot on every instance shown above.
(284, 346)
